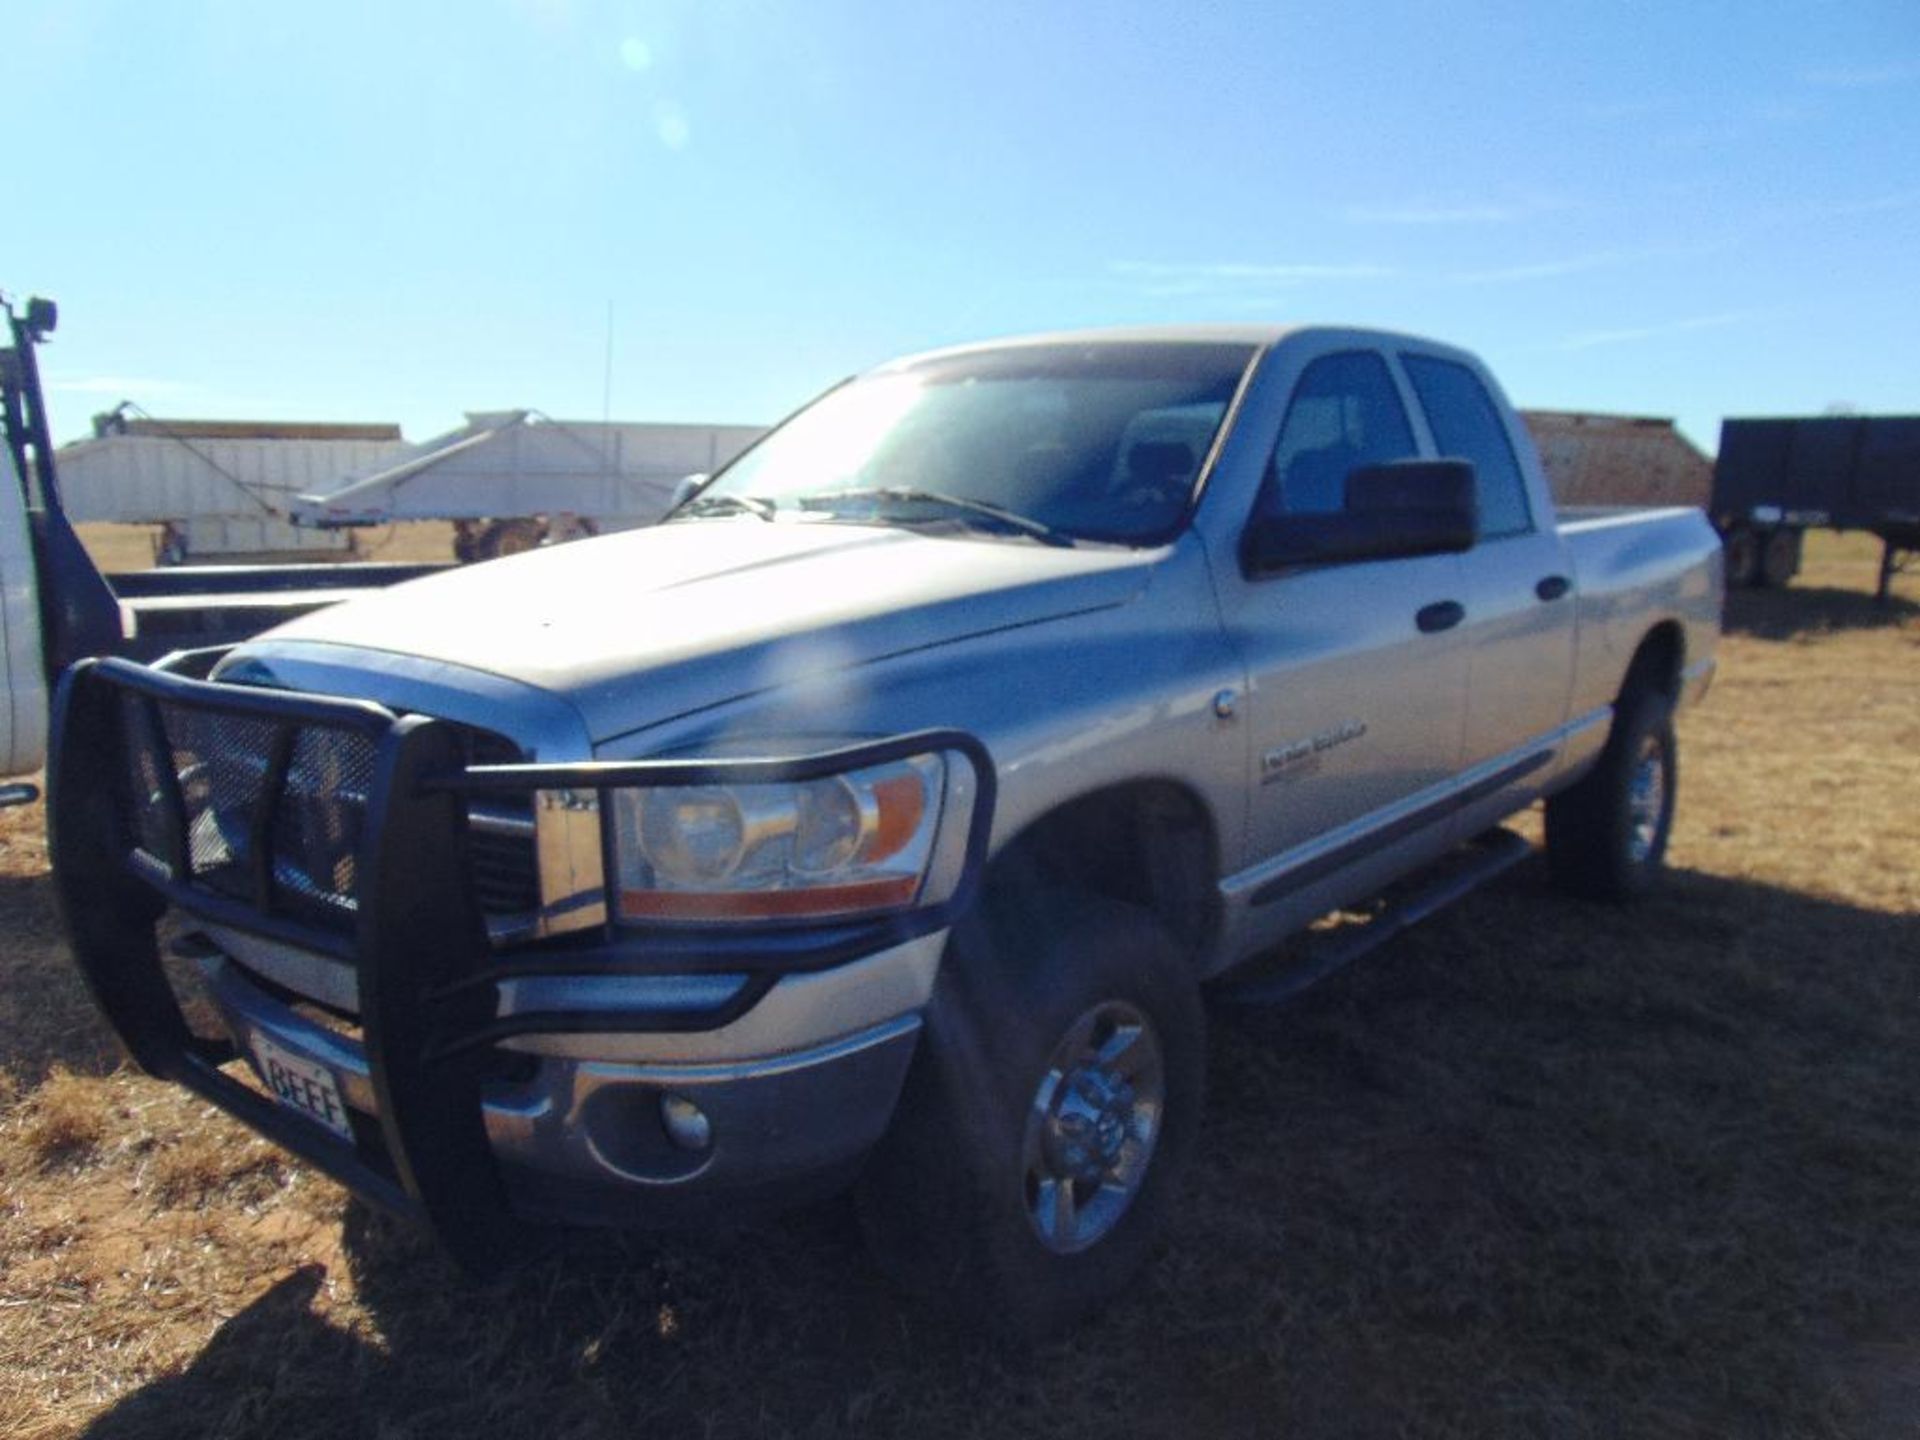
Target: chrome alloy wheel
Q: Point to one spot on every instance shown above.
(1092, 1126)
(1646, 799)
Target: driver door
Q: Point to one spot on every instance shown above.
(1358, 700)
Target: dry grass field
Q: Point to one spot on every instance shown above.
(1536, 1169)
(119, 548)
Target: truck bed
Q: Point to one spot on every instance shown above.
(1587, 517)
(1633, 561)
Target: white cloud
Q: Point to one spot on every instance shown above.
(1590, 339)
(1863, 77)
(1436, 214)
(547, 14)
(1873, 205)
(1192, 277)
(115, 385)
(1581, 264)
(1545, 269)
(1709, 135)
(1611, 110)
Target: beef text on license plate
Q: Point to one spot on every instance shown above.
(300, 1084)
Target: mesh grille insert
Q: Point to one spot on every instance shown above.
(221, 762)
(143, 800)
(318, 823)
(219, 767)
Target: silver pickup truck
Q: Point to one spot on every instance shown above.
(877, 819)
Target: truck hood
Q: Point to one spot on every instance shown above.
(643, 627)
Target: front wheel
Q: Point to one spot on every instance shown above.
(1054, 1101)
(1607, 836)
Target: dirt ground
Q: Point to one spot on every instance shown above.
(119, 548)
(1537, 1169)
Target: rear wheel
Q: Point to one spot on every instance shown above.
(1780, 558)
(1607, 835)
(1050, 1110)
(513, 537)
(1743, 557)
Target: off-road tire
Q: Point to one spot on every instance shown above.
(945, 1200)
(1597, 847)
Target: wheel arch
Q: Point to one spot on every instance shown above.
(1658, 663)
(1145, 842)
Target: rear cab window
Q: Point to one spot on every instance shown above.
(1466, 425)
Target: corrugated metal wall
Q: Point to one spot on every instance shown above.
(147, 479)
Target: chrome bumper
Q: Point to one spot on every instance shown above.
(584, 1141)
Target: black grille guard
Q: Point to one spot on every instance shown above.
(427, 976)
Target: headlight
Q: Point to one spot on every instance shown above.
(881, 838)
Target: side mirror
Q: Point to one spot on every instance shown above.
(43, 316)
(1394, 511)
(688, 487)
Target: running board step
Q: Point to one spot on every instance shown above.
(1458, 875)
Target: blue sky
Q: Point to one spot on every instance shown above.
(403, 211)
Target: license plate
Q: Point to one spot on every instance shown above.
(300, 1084)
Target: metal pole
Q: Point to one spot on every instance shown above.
(606, 379)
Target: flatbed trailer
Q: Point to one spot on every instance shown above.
(510, 480)
(1777, 478)
(215, 605)
(218, 492)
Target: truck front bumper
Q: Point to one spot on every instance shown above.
(594, 1142)
(449, 1119)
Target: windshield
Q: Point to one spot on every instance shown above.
(1087, 441)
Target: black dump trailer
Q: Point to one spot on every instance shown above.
(1776, 479)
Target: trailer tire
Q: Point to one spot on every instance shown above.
(1607, 835)
(1743, 557)
(1780, 558)
(1038, 1142)
(499, 538)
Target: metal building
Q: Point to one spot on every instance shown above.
(221, 489)
(1618, 459)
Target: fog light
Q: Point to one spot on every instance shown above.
(687, 1124)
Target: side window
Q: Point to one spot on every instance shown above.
(1466, 423)
(1345, 413)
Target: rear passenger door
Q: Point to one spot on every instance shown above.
(1520, 601)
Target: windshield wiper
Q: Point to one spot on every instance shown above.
(908, 494)
(727, 505)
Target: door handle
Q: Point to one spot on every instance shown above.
(1553, 587)
(1441, 615)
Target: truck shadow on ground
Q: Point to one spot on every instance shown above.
(1803, 610)
(1533, 1168)
(46, 1016)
